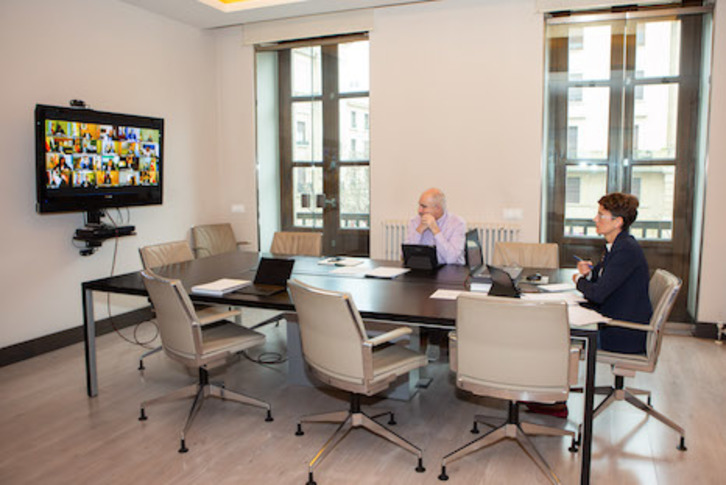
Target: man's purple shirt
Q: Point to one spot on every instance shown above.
(449, 242)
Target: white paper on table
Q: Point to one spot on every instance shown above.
(557, 287)
(580, 316)
(351, 270)
(386, 272)
(442, 294)
(570, 297)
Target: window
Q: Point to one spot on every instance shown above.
(301, 135)
(323, 139)
(572, 193)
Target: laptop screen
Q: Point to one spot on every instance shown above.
(274, 271)
(420, 256)
(473, 251)
(502, 283)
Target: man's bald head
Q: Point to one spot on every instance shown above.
(432, 201)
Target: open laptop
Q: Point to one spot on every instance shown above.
(474, 257)
(420, 256)
(502, 283)
(271, 277)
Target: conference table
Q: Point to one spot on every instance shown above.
(403, 300)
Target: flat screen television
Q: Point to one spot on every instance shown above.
(90, 160)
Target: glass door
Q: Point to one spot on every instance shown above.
(324, 143)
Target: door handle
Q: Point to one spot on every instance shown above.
(322, 202)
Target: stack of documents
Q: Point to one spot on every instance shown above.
(557, 287)
(220, 287)
(386, 272)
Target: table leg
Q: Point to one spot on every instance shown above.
(586, 443)
(89, 337)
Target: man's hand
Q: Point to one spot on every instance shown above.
(428, 222)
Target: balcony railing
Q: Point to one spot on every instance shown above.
(640, 229)
(347, 221)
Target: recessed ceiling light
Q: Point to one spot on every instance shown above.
(237, 5)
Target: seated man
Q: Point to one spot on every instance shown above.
(434, 226)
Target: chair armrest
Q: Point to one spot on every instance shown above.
(388, 336)
(453, 351)
(631, 325)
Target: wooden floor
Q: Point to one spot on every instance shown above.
(53, 434)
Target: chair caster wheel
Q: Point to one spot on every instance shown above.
(269, 416)
(299, 431)
(420, 468)
(475, 428)
(183, 448)
(142, 416)
(443, 476)
(392, 420)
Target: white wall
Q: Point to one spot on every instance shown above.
(119, 58)
(712, 300)
(456, 102)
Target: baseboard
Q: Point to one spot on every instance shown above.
(48, 343)
(705, 330)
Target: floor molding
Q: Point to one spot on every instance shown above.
(48, 343)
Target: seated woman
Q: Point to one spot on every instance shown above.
(617, 286)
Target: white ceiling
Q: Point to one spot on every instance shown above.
(196, 13)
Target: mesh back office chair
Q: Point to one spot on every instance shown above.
(527, 255)
(297, 243)
(178, 252)
(338, 351)
(513, 350)
(211, 239)
(184, 341)
(663, 290)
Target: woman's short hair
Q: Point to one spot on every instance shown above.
(621, 205)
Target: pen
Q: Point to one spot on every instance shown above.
(580, 259)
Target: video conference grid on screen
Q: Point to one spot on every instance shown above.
(86, 155)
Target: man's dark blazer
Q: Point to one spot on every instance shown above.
(618, 288)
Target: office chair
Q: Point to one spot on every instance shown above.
(184, 341)
(527, 255)
(512, 350)
(338, 352)
(297, 243)
(662, 290)
(178, 252)
(211, 239)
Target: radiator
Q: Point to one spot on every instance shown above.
(394, 233)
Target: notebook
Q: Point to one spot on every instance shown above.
(220, 287)
(502, 283)
(271, 277)
(420, 256)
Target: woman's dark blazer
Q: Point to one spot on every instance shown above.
(618, 288)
